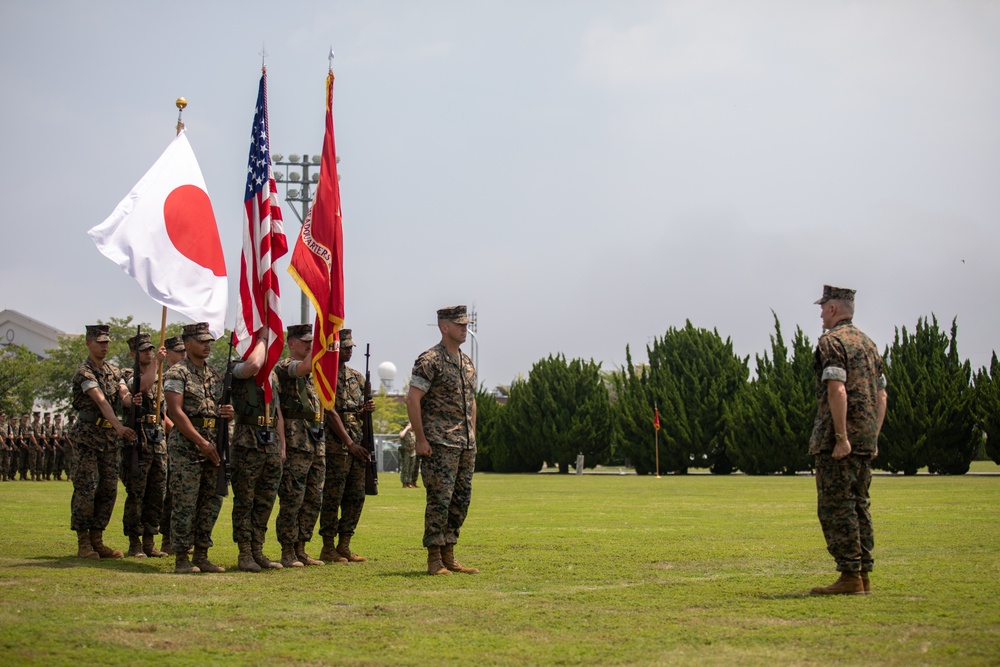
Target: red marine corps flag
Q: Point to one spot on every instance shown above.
(656, 418)
(263, 242)
(318, 264)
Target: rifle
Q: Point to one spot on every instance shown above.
(368, 433)
(222, 439)
(135, 413)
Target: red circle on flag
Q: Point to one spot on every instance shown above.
(191, 227)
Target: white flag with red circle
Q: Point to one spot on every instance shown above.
(165, 236)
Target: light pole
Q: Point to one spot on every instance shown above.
(299, 176)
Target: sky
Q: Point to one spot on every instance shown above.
(584, 174)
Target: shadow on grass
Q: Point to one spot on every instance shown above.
(409, 574)
(67, 562)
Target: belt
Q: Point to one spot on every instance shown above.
(308, 416)
(203, 422)
(88, 418)
(148, 419)
(254, 420)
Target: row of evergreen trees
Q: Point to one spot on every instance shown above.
(715, 416)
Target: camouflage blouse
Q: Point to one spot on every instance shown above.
(298, 395)
(248, 400)
(447, 407)
(846, 354)
(201, 387)
(108, 379)
(154, 441)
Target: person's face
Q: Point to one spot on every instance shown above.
(299, 348)
(97, 350)
(197, 349)
(346, 353)
(173, 357)
(827, 312)
(146, 357)
(455, 332)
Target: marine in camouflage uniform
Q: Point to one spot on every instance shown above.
(97, 391)
(40, 453)
(4, 448)
(441, 405)
(409, 462)
(850, 391)
(346, 461)
(59, 439)
(302, 477)
(175, 352)
(29, 447)
(69, 448)
(144, 499)
(257, 451)
(193, 390)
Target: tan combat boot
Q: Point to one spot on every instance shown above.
(288, 558)
(245, 561)
(434, 564)
(866, 582)
(149, 547)
(165, 543)
(201, 561)
(182, 565)
(257, 551)
(849, 584)
(135, 547)
(329, 554)
(448, 560)
(97, 541)
(84, 548)
(304, 558)
(344, 549)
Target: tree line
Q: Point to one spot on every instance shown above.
(716, 415)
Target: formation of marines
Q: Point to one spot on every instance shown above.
(33, 448)
(290, 451)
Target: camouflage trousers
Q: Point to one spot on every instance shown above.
(195, 504)
(256, 476)
(447, 476)
(27, 462)
(343, 494)
(144, 499)
(95, 488)
(409, 467)
(301, 495)
(843, 506)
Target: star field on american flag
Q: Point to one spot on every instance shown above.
(260, 156)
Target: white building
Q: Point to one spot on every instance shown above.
(18, 329)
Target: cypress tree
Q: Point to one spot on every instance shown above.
(769, 421)
(929, 421)
(988, 406)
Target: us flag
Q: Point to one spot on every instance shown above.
(263, 243)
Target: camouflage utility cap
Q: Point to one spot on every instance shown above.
(456, 314)
(140, 343)
(301, 331)
(175, 344)
(346, 339)
(100, 333)
(199, 332)
(836, 293)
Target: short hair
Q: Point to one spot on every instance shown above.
(845, 306)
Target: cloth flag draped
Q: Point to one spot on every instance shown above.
(656, 418)
(318, 264)
(164, 235)
(263, 242)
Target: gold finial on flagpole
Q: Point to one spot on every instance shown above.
(181, 103)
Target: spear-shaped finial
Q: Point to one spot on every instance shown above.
(331, 58)
(263, 54)
(181, 103)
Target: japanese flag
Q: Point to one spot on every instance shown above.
(165, 236)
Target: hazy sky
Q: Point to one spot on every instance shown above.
(585, 174)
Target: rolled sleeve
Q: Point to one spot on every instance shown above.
(420, 383)
(834, 373)
(87, 385)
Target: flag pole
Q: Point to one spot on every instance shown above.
(180, 103)
(656, 430)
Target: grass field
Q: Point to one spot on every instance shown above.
(611, 570)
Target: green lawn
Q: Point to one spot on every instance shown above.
(599, 569)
